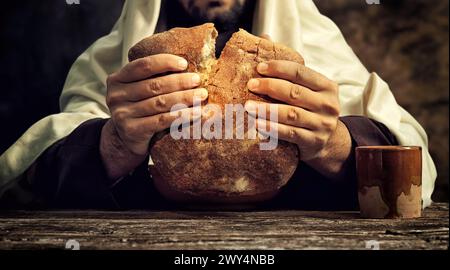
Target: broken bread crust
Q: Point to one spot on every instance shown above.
(196, 45)
(219, 171)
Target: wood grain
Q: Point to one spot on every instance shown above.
(221, 230)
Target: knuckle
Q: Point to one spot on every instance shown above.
(163, 119)
(321, 140)
(110, 80)
(293, 115)
(328, 124)
(160, 103)
(295, 92)
(131, 129)
(154, 87)
(299, 73)
(331, 107)
(125, 127)
(294, 134)
(119, 115)
(112, 98)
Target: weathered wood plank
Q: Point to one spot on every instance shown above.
(221, 230)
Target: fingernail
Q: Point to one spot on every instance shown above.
(201, 93)
(195, 79)
(250, 107)
(262, 68)
(182, 64)
(253, 84)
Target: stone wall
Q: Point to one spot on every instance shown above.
(407, 43)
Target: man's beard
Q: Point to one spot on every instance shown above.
(223, 21)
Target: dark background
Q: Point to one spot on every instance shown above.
(406, 42)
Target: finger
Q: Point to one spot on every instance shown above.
(160, 122)
(299, 136)
(147, 67)
(287, 92)
(286, 114)
(165, 103)
(298, 74)
(159, 86)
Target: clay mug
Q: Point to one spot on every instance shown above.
(389, 181)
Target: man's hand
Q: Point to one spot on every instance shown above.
(310, 116)
(140, 98)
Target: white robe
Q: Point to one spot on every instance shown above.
(297, 24)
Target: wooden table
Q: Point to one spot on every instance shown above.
(221, 230)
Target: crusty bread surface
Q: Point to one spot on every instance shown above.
(219, 170)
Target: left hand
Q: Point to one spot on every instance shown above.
(310, 116)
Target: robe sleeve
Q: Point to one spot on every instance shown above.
(70, 175)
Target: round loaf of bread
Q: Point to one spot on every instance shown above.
(228, 170)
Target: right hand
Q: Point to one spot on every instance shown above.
(140, 97)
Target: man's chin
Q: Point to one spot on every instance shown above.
(213, 13)
(223, 21)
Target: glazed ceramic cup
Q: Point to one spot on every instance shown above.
(389, 181)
